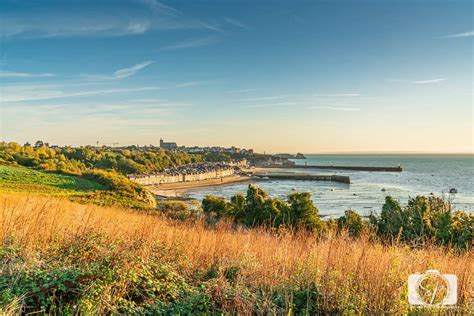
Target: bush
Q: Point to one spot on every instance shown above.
(179, 210)
(215, 207)
(424, 219)
(122, 186)
(352, 222)
(257, 209)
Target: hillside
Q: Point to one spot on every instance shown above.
(97, 187)
(20, 179)
(66, 258)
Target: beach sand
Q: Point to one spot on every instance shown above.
(178, 190)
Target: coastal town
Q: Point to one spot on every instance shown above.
(240, 169)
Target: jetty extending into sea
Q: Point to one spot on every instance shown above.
(353, 168)
(307, 177)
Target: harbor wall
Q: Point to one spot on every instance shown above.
(354, 168)
(335, 178)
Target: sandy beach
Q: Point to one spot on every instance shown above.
(179, 189)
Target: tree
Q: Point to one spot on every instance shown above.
(303, 212)
(39, 144)
(216, 207)
(254, 201)
(392, 218)
(352, 222)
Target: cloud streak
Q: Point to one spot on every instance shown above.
(190, 43)
(14, 74)
(121, 73)
(84, 20)
(268, 105)
(429, 81)
(35, 93)
(457, 35)
(130, 71)
(337, 95)
(277, 97)
(160, 7)
(241, 91)
(334, 108)
(191, 84)
(237, 23)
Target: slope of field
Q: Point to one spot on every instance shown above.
(36, 182)
(59, 257)
(20, 179)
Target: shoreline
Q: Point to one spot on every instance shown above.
(179, 189)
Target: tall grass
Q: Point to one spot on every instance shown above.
(266, 272)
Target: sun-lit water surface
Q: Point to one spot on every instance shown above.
(422, 174)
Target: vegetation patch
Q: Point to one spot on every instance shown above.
(102, 188)
(61, 258)
(22, 179)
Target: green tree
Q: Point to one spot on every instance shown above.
(215, 207)
(352, 222)
(303, 212)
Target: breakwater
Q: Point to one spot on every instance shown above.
(307, 177)
(353, 168)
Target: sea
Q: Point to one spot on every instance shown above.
(422, 174)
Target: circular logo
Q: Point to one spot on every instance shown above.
(432, 288)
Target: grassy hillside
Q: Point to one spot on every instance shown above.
(19, 179)
(94, 187)
(65, 258)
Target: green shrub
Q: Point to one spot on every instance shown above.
(352, 222)
(122, 186)
(257, 209)
(179, 210)
(424, 219)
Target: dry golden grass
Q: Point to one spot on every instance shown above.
(350, 273)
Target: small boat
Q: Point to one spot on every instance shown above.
(453, 191)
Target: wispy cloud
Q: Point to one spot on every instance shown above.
(237, 23)
(191, 84)
(336, 95)
(427, 81)
(160, 7)
(241, 91)
(46, 92)
(268, 105)
(277, 97)
(465, 34)
(75, 19)
(14, 74)
(438, 80)
(146, 100)
(213, 27)
(334, 108)
(130, 71)
(121, 73)
(190, 43)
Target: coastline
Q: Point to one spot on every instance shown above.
(178, 190)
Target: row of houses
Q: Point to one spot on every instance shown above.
(186, 173)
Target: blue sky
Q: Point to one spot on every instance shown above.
(309, 76)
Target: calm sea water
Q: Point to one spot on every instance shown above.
(422, 174)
